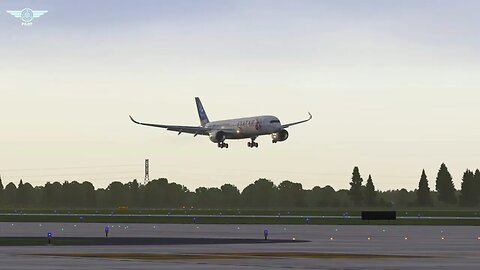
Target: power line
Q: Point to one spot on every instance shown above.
(68, 174)
(71, 168)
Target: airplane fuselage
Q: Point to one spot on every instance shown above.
(248, 127)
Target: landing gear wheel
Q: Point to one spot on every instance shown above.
(252, 144)
(222, 145)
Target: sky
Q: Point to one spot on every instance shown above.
(393, 87)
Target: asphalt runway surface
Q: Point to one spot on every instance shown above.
(133, 241)
(330, 247)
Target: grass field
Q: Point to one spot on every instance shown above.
(228, 216)
(236, 220)
(413, 212)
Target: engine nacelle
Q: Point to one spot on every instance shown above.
(217, 136)
(280, 136)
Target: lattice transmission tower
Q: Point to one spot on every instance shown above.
(147, 176)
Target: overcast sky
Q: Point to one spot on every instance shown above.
(393, 86)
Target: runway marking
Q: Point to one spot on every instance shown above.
(235, 255)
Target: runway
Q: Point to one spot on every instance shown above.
(331, 247)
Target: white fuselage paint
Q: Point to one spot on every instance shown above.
(248, 127)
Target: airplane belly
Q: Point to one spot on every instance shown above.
(244, 133)
(249, 133)
(238, 136)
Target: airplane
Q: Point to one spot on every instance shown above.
(233, 129)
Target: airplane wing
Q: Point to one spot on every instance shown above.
(299, 122)
(187, 129)
(196, 130)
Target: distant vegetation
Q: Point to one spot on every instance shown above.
(262, 194)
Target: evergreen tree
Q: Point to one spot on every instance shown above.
(476, 178)
(370, 193)
(423, 192)
(356, 188)
(20, 198)
(468, 196)
(1, 191)
(444, 186)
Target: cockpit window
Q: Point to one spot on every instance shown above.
(274, 121)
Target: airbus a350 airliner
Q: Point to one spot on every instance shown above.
(233, 129)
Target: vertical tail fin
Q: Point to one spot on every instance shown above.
(201, 112)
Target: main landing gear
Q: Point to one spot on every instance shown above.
(222, 145)
(252, 144)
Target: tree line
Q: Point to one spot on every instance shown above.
(445, 193)
(262, 193)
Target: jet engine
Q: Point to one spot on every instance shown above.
(217, 136)
(280, 136)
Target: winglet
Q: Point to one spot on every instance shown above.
(299, 122)
(133, 120)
